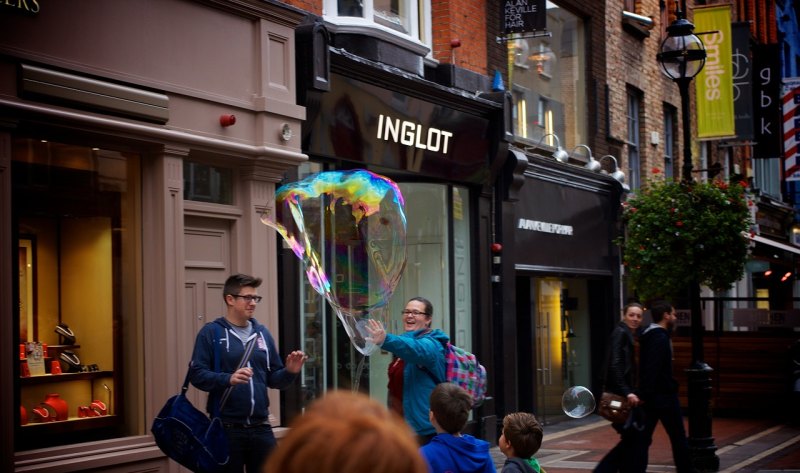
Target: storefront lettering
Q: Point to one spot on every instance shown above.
(413, 134)
(544, 227)
(714, 68)
(514, 10)
(24, 6)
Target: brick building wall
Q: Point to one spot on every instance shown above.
(464, 21)
(631, 54)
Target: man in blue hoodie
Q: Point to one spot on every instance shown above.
(245, 415)
(450, 450)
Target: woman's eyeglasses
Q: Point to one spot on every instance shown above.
(249, 298)
(415, 313)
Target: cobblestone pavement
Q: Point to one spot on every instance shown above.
(743, 445)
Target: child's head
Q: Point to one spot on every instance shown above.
(522, 435)
(450, 406)
(346, 431)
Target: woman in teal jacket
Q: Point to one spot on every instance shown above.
(420, 354)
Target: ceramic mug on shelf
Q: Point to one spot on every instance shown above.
(99, 407)
(41, 413)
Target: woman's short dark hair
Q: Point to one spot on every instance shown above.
(426, 302)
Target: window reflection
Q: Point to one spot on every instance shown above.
(548, 81)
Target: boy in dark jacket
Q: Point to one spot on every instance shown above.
(520, 440)
(450, 450)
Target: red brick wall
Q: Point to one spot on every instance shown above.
(463, 20)
(311, 6)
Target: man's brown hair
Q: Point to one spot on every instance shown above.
(524, 433)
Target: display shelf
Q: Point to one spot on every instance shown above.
(58, 378)
(71, 424)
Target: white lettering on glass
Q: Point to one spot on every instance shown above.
(413, 134)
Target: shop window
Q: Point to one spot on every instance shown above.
(669, 141)
(767, 176)
(548, 81)
(439, 268)
(634, 140)
(207, 183)
(75, 213)
(407, 18)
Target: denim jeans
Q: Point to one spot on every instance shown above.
(249, 448)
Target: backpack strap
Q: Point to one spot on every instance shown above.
(425, 368)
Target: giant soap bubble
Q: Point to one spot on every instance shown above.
(349, 229)
(577, 402)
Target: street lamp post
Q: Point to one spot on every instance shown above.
(682, 57)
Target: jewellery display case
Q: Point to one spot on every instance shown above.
(61, 382)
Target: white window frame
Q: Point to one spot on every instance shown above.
(669, 142)
(415, 37)
(634, 140)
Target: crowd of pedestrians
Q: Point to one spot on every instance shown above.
(235, 358)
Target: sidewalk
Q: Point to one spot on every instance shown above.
(743, 445)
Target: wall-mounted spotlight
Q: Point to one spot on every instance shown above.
(786, 276)
(560, 154)
(592, 164)
(616, 173)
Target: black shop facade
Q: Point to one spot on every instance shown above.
(439, 144)
(559, 274)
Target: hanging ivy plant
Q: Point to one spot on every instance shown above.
(679, 233)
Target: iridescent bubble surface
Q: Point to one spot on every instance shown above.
(577, 402)
(349, 229)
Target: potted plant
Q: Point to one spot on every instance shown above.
(681, 233)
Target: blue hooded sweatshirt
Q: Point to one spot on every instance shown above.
(248, 403)
(464, 454)
(422, 352)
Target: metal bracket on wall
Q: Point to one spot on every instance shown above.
(533, 34)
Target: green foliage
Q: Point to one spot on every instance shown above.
(678, 234)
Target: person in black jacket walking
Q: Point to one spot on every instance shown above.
(659, 389)
(246, 413)
(620, 378)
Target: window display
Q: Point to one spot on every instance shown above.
(74, 211)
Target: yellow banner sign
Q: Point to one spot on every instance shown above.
(714, 84)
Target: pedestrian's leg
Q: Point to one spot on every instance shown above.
(236, 448)
(672, 420)
(262, 442)
(611, 461)
(640, 443)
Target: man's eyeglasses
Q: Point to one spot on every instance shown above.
(415, 313)
(249, 298)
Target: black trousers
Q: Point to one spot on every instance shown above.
(669, 414)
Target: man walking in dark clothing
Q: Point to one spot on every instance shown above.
(659, 389)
